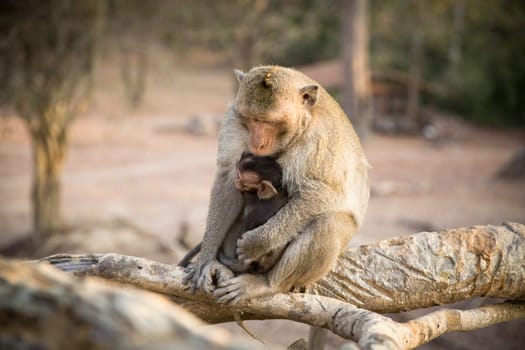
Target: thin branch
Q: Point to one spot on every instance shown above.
(431, 326)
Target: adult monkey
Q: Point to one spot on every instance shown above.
(281, 112)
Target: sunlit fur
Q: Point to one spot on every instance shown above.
(320, 145)
(324, 169)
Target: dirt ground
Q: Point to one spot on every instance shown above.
(145, 168)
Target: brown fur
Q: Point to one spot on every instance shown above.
(281, 112)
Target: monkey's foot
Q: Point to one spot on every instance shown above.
(242, 287)
(206, 276)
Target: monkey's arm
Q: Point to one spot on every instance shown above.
(225, 205)
(288, 222)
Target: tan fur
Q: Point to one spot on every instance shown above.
(324, 169)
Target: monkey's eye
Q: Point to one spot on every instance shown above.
(244, 124)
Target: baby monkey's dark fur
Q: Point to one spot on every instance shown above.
(260, 181)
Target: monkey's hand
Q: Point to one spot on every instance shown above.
(205, 275)
(256, 243)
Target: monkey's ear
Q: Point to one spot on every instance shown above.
(237, 182)
(266, 190)
(239, 74)
(309, 94)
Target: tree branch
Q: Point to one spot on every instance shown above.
(43, 308)
(428, 327)
(405, 273)
(431, 268)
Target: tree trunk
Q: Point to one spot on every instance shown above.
(416, 61)
(53, 51)
(454, 51)
(49, 149)
(244, 47)
(415, 78)
(356, 83)
(244, 51)
(133, 72)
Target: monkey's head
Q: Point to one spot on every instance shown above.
(274, 104)
(258, 174)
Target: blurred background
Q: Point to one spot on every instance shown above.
(109, 114)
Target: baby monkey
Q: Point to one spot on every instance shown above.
(260, 181)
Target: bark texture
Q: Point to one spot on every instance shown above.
(52, 54)
(399, 274)
(405, 273)
(49, 145)
(431, 268)
(43, 308)
(356, 72)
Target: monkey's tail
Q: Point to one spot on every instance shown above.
(239, 321)
(187, 258)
